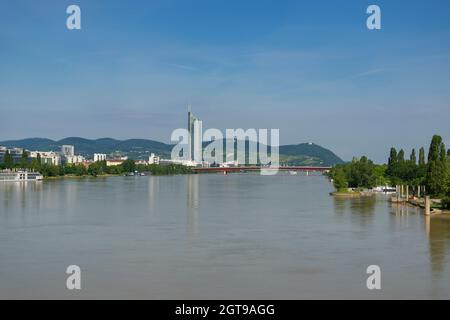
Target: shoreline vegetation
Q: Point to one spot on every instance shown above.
(96, 169)
(429, 177)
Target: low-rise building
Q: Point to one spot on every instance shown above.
(114, 162)
(141, 162)
(153, 159)
(47, 157)
(75, 159)
(99, 157)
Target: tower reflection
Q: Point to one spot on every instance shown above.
(192, 203)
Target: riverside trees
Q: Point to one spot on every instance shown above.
(434, 174)
(360, 173)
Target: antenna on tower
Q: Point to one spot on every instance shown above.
(189, 107)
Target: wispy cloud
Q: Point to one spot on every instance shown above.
(183, 67)
(367, 73)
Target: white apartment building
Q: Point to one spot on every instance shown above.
(99, 157)
(153, 159)
(76, 159)
(50, 157)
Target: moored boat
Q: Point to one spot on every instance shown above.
(19, 176)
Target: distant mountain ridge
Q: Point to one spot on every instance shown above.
(295, 154)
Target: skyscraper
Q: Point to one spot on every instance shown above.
(195, 138)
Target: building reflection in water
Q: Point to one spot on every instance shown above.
(20, 195)
(192, 203)
(153, 193)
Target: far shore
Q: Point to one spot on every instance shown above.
(72, 176)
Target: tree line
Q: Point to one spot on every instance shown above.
(433, 171)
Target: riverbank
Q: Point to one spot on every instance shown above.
(420, 202)
(351, 194)
(70, 176)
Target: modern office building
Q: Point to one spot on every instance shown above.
(195, 138)
(67, 151)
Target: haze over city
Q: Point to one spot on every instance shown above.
(311, 69)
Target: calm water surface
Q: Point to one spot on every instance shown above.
(214, 236)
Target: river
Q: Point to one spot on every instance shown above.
(211, 236)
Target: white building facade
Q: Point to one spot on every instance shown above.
(99, 157)
(153, 159)
(50, 157)
(76, 159)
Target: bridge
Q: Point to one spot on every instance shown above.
(307, 169)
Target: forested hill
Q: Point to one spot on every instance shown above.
(298, 154)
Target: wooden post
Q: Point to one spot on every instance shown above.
(407, 193)
(427, 206)
(427, 225)
(418, 191)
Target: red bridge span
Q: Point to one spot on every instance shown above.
(258, 168)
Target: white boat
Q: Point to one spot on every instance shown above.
(384, 189)
(19, 176)
(293, 172)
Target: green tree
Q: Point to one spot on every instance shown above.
(436, 177)
(379, 175)
(97, 168)
(80, 170)
(128, 166)
(392, 161)
(422, 157)
(392, 156)
(442, 154)
(36, 163)
(412, 157)
(8, 160)
(401, 156)
(24, 160)
(339, 179)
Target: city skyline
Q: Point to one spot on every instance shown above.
(311, 69)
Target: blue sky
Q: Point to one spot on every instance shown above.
(310, 68)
